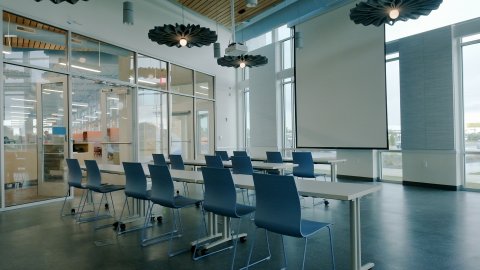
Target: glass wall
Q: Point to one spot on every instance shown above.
(152, 124)
(108, 104)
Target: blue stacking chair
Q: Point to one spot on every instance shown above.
(306, 168)
(214, 161)
(242, 165)
(274, 157)
(159, 159)
(162, 193)
(278, 210)
(74, 180)
(240, 154)
(94, 184)
(135, 188)
(176, 163)
(220, 199)
(223, 155)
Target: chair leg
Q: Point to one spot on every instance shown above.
(331, 246)
(113, 205)
(304, 252)
(284, 254)
(64, 202)
(121, 214)
(145, 224)
(251, 251)
(195, 258)
(236, 242)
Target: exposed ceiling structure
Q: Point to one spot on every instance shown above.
(219, 10)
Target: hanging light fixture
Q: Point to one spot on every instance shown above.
(181, 35)
(128, 13)
(236, 52)
(378, 12)
(73, 2)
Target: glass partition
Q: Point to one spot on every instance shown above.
(34, 134)
(181, 80)
(203, 85)
(152, 73)
(33, 43)
(181, 126)
(152, 124)
(92, 57)
(204, 113)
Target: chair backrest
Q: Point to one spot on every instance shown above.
(242, 165)
(159, 159)
(305, 166)
(94, 177)
(74, 173)
(135, 180)
(220, 195)
(162, 185)
(176, 162)
(214, 161)
(277, 209)
(274, 157)
(223, 155)
(240, 154)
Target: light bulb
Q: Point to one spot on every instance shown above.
(394, 13)
(242, 64)
(183, 42)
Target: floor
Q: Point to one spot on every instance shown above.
(402, 228)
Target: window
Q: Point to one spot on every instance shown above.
(246, 99)
(152, 73)
(283, 32)
(288, 116)
(203, 85)
(259, 41)
(181, 80)
(204, 113)
(181, 126)
(287, 54)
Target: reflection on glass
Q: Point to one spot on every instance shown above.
(101, 121)
(205, 127)
(34, 135)
(152, 73)
(203, 85)
(152, 124)
(181, 80)
(29, 42)
(181, 131)
(392, 166)
(93, 57)
(393, 103)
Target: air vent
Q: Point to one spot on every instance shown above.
(25, 29)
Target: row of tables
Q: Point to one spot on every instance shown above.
(351, 192)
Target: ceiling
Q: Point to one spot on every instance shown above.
(219, 10)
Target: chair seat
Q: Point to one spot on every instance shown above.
(181, 201)
(139, 196)
(76, 185)
(107, 188)
(244, 209)
(309, 227)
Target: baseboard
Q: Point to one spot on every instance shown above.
(357, 178)
(435, 186)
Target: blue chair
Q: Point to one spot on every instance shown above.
(74, 180)
(220, 199)
(223, 155)
(159, 159)
(214, 161)
(278, 210)
(94, 184)
(240, 154)
(274, 157)
(306, 168)
(242, 165)
(136, 188)
(163, 194)
(176, 163)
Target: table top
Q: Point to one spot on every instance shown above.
(260, 165)
(315, 160)
(327, 190)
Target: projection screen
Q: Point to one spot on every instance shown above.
(340, 84)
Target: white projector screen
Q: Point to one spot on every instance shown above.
(340, 84)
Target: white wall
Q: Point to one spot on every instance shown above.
(103, 20)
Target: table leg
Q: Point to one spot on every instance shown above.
(355, 237)
(333, 172)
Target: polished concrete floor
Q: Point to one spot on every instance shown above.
(402, 228)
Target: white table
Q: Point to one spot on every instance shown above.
(328, 161)
(351, 192)
(259, 165)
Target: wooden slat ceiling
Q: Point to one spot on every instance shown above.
(19, 42)
(219, 10)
